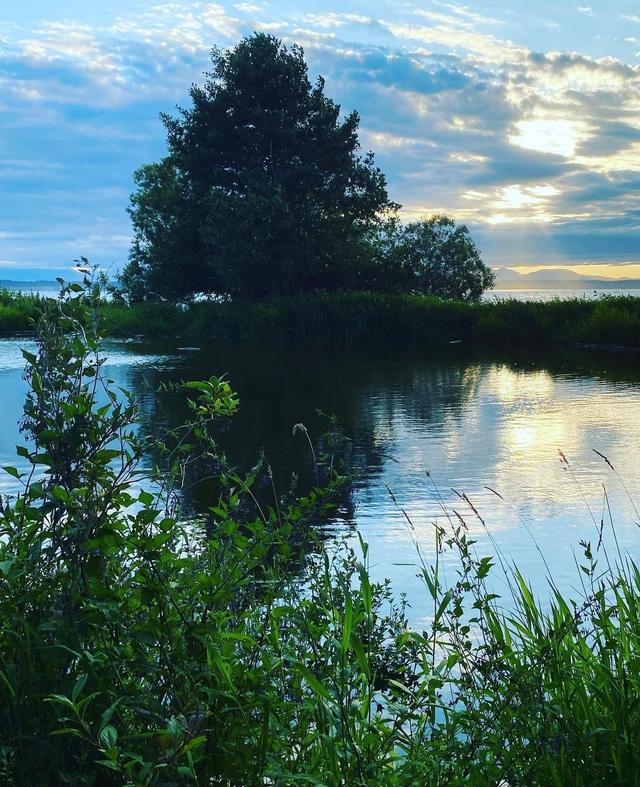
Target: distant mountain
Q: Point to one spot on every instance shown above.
(506, 275)
(558, 278)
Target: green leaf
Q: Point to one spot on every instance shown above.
(108, 737)
(314, 684)
(194, 743)
(107, 455)
(146, 498)
(60, 699)
(106, 716)
(347, 624)
(109, 764)
(5, 565)
(78, 686)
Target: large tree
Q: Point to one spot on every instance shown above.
(444, 259)
(264, 190)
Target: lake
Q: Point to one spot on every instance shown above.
(479, 426)
(52, 289)
(563, 293)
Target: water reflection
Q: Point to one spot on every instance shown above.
(480, 427)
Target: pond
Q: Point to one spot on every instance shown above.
(491, 430)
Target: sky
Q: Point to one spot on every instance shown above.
(520, 119)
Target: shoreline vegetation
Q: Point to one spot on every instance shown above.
(137, 648)
(609, 322)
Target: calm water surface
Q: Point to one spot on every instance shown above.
(563, 293)
(475, 425)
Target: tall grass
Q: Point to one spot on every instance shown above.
(535, 691)
(367, 318)
(137, 648)
(18, 311)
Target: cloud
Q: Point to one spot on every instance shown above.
(335, 20)
(463, 12)
(462, 119)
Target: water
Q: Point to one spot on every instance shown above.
(549, 294)
(50, 289)
(477, 425)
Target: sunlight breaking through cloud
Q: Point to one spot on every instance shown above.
(477, 114)
(559, 137)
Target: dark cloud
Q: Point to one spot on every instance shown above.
(512, 165)
(612, 137)
(406, 73)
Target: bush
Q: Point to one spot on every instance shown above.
(139, 648)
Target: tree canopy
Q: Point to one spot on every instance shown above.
(434, 256)
(265, 192)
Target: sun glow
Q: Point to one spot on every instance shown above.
(517, 203)
(560, 137)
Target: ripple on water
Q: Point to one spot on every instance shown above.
(114, 354)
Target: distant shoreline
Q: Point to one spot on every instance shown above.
(569, 284)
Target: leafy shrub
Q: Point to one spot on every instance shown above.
(135, 647)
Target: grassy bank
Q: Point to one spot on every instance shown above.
(18, 311)
(367, 318)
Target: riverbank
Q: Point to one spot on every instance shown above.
(345, 318)
(18, 310)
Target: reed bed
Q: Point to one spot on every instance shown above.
(368, 319)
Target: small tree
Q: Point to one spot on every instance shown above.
(264, 190)
(434, 256)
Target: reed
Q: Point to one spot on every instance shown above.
(370, 318)
(367, 318)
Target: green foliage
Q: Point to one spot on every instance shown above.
(263, 192)
(341, 318)
(163, 233)
(138, 647)
(393, 319)
(434, 256)
(18, 310)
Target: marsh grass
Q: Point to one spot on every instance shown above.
(374, 319)
(18, 311)
(538, 690)
(368, 319)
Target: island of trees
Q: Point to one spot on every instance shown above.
(264, 192)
